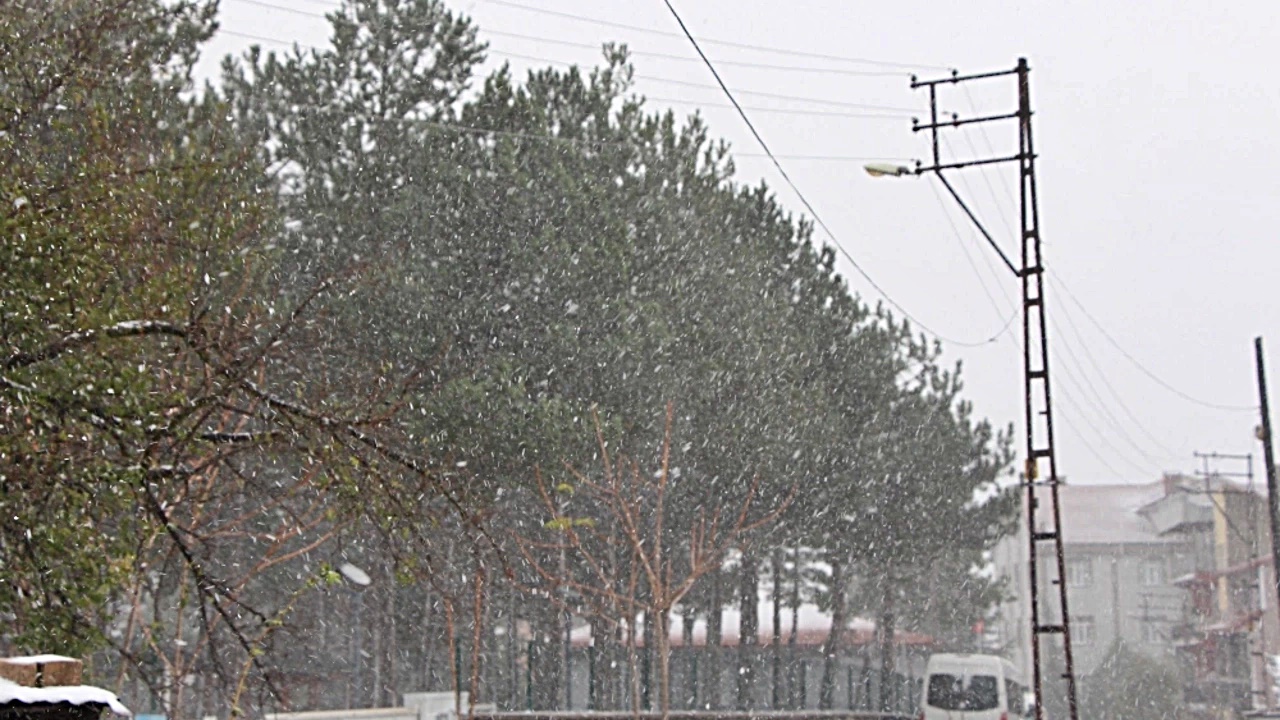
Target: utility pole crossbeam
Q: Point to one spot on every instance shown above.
(1043, 524)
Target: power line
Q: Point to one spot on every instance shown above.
(991, 148)
(1062, 286)
(669, 56)
(1064, 312)
(1102, 438)
(955, 230)
(686, 58)
(705, 86)
(283, 8)
(1090, 396)
(459, 128)
(1081, 381)
(1155, 378)
(782, 111)
(650, 78)
(804, 200)
(1016, 346)
(724, 43)
(1088, 446)
(1107, 383)
(882, 115)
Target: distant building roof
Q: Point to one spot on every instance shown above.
(812, 629)
(1108, 514)
(1133, 514)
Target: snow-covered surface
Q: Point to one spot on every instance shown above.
(11, 692)
(38, 659)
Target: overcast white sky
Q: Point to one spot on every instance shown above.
(1155, 128)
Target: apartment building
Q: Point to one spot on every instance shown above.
(1176, 569)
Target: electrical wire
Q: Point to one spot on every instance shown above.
(650, 78)
(991, 190)
(705, 86)
(578, 142)
(722, 43)
(1103, 440)
(1055, 278)
(882, 115)
(283, 8)
(686, 58)
(964, 247)
(991, 148)
(642, 53)
(1089, 392)
(1143, 368)
(1073, 371)
(803, 199)
(1008, 301)
(1080, 341)
(781, 111)
(1100, 403)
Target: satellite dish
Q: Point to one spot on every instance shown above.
(355, 574)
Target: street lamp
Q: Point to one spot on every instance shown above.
(883, 169)
(1043, 524)
(360, 580)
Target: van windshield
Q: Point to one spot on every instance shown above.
(960, 692)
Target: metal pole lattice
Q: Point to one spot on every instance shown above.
(1040, 475)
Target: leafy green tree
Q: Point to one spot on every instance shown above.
(169, 462)
(550, 245)
(112, 223)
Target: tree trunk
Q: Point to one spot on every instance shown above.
(662, 634)
(513, 649)
(797, 689)
(749, 632)
(714, 626)
(633, 666)
(545, 662)
(451, 628)
(428, 635)
(392, 680)
(886, 632)
(646, 663)
(775, 697)
(477, 635)
(690, 665)
(375, 684)
(831, 648)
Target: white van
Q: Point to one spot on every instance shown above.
(972, 687)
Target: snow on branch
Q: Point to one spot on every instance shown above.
(128, 328)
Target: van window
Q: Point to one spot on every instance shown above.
(1017, 697)
(957, 692)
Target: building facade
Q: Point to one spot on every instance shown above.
(1178, 570)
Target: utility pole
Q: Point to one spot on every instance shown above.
(1043, 524)
(1269, 460)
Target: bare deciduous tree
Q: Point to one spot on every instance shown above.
(620, 547)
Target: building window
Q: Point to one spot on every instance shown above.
(1082, 630)
(1079, 573)
(1154, 572)
(1152, 633)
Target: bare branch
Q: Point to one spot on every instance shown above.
(72, 341)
